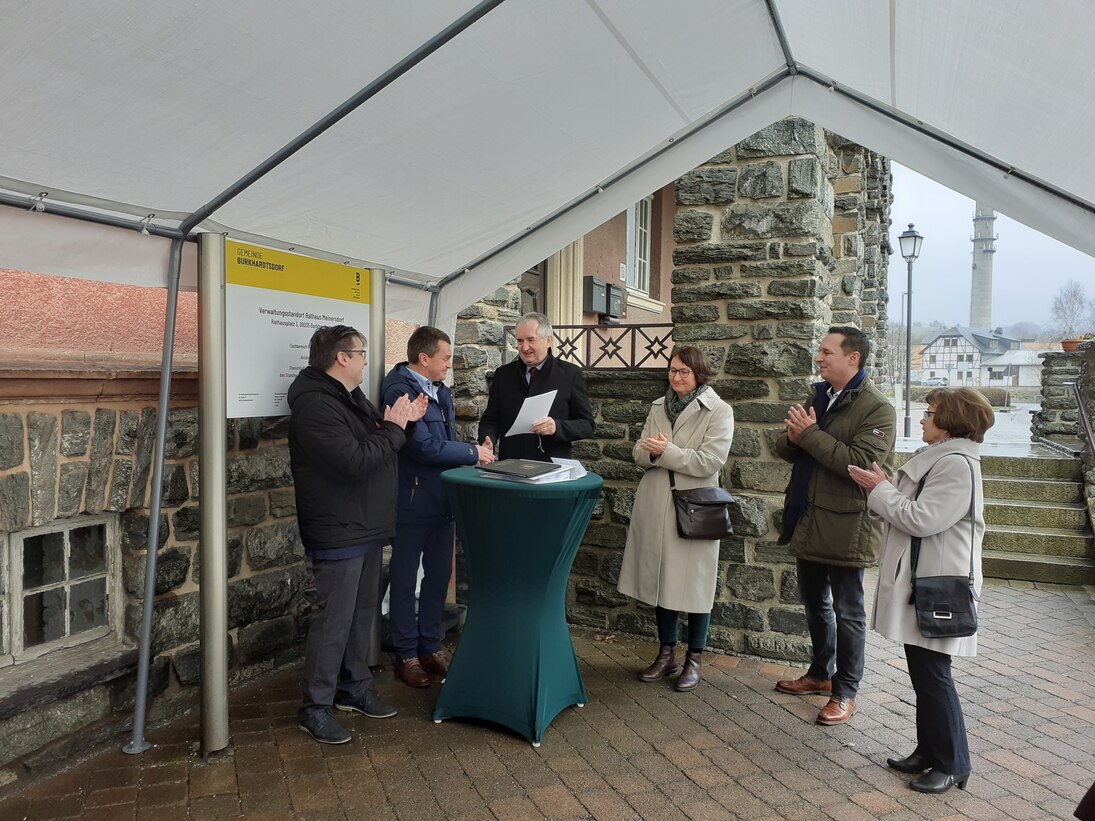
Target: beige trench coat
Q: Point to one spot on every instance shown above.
(659, 567)
(941, 517)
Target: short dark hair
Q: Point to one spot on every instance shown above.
(695, 359)
(427, 340)
(327, 341)
(855, 341)
(964, 413)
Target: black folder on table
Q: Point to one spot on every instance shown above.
(522, 468)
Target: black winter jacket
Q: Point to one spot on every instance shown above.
(430, 449)
(343, 458)
(570, 410)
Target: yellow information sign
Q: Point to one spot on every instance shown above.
(257, 267)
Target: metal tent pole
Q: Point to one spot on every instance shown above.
(137, 743)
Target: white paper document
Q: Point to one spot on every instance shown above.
(534, 407)
(576, 469)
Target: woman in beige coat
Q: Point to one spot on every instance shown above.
(688, 432)
(948, 515)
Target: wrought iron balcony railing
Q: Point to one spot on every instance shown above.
(612, 347)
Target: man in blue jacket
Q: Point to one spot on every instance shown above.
(342, 451)
(424, 529)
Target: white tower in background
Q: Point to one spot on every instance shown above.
(984, 246)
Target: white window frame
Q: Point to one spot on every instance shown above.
(639, 224)
(13, 599)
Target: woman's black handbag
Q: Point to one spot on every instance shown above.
(702, 512)
(944, 604)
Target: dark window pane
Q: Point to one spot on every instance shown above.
(43, 617)
(87, 551)
(43, 560)
(87, 605)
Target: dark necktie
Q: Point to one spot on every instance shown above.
(532, 373)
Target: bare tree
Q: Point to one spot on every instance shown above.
(1071, 310)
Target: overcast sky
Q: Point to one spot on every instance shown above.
(1027, 271)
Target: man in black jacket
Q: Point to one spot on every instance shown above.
(342, 451)
(534, 372)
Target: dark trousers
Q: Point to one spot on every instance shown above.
(940, 727)
(336, 652)
(833, 598)
(698, 625)
(432, 544)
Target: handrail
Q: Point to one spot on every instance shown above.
(1085, 419)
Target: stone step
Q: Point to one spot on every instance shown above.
(1048, 569)
(1023, 462)
(1039, 541)
(1012, 512)
(1032, 490)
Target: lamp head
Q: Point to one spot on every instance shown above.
(910, 242)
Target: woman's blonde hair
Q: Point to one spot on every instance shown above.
(963, 413)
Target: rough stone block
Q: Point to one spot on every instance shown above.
(246, 510)
(765, 359)
(746, 442)
(692, 226)
(783, 268)
(102, 448)
(265, 595)
(769, 477)
(605, 535)
(791, 622)
(597, 594)
(265, 639)
(773, 309)
(186, 524)
(182, 433)
(805, 178)
(689, 276)
(749, 515)
(798, 287)
(118, 498)
(480, 332)
(707, 186)
(128, 423)
(42, 441)
(466, 356)
(175, 488)
(142, 459)
(697, 333)
(782, 219)
(273, 545)
(283, 502)
(715, 290)
(737, 616)
(75, 433)
(761, 180)
(788, 586)
(732, 550)
(768, 646)
(613, 471)
(586, 450)
(796, 388)
(714, 253)
(14, 502)
(250, 433)
(259, 470)
(174, 621)
(772, 553)
(750, 583)
(172, 571)
(70, 488)
(695, 313)
(793, 135)
(734, 390)
(798, 330)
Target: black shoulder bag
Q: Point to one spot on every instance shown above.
(702, 512)
(944, 604)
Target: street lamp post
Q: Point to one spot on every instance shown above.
(910, 242)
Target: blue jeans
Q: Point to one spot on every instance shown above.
(419, 635)
(833, 597)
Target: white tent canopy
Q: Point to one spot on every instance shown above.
(523, 130)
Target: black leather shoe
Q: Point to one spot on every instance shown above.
(915, 763)
(664, 665)
(937, 781)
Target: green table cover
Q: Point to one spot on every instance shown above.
(515, 664)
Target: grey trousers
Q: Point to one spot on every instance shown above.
(336, 653)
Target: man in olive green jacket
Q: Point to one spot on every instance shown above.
(825, 517)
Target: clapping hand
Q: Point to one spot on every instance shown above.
(403, 410)
(867, 479)
(798, 419)
(655, 445)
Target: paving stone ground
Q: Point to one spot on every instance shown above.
(734, 749)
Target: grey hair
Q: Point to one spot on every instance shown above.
(543, 325)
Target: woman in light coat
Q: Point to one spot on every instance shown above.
(688, 432)
(948, 515)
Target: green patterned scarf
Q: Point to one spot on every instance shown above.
(674, 406)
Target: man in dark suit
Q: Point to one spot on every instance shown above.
(534, 372)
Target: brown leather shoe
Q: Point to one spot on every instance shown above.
(690, 678)
(837, 711)
(410, 672)
(437, 663)
(663, 666)
(805, 686)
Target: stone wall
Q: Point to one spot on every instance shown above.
(776, 239)
(63, 459)
(1058, 415)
